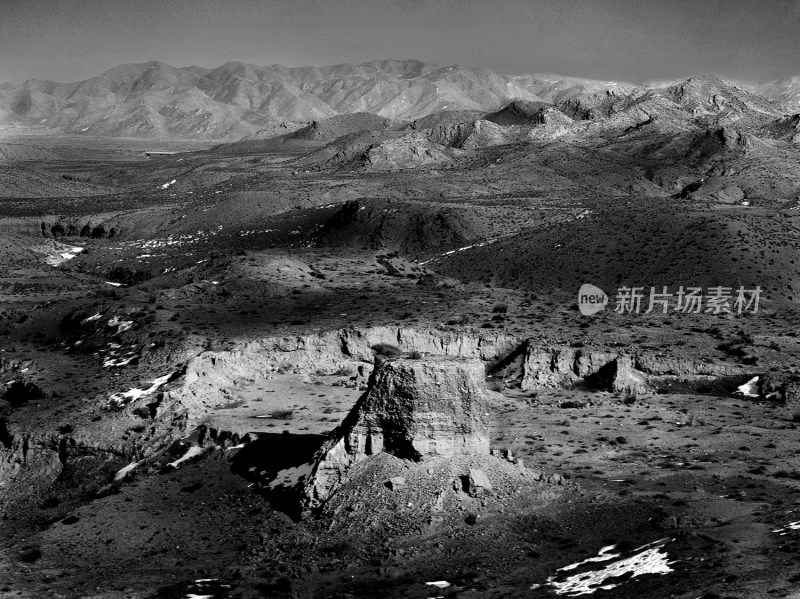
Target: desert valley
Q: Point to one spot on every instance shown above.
(316, 332)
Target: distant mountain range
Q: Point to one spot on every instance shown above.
(238, 100)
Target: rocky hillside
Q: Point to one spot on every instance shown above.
(238, 100)
(784, 90)
(235, 100)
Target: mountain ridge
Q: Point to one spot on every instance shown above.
(237, 100)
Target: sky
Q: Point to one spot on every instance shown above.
(617, 40)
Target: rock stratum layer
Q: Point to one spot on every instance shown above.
(412, 409)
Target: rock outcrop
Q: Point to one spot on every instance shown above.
(546, 367)
(408, 152)
(412, 409)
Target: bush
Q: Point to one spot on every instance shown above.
(415, 355)
(282, 414)
(30, 554)
(20, 392)
(387, 350)
(126, 276)
(463, 319)
(500, 309)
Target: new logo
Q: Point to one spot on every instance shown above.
(591, 299)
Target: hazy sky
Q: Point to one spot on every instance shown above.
(633, 40)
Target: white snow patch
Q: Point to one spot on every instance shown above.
(166, 185)
(461, 249)
(61, 256)
(120, 399)
(193, 451)
(97, 316)
(117, 362)
(439, 584)
(122, 325)
(122, 473)
(788, 528)
(647, 559)
(113, 284)
(603, 555)
(750, 388)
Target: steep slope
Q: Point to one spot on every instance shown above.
(554, 88)
(391, 226)
(335, 127)
(724, 103)
(235, 100)
(646, 243)
(518, 112)
(785, 90)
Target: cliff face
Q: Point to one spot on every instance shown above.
(412, 409)
(638, 372)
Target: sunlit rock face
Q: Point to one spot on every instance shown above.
(413, 409)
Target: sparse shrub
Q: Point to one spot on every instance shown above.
(414, 355)
(337, 548)
(49, 503)
(21, 392)
(495, 385)
(30, 554)
(386, 350)
(463, 319)
(126, 276)
(500, 309)
(732, 348)
(287, 414)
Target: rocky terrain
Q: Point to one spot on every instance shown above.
(345, 356)
(235, 100)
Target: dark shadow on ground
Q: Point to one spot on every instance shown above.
(262, 459)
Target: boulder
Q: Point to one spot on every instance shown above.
(396, 482)
(627, 378)
(412, 409)
(478, 483)
(782, 388)
(408, 152)
(730, 195)
(558, 367)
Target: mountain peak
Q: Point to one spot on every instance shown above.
(239, 99)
